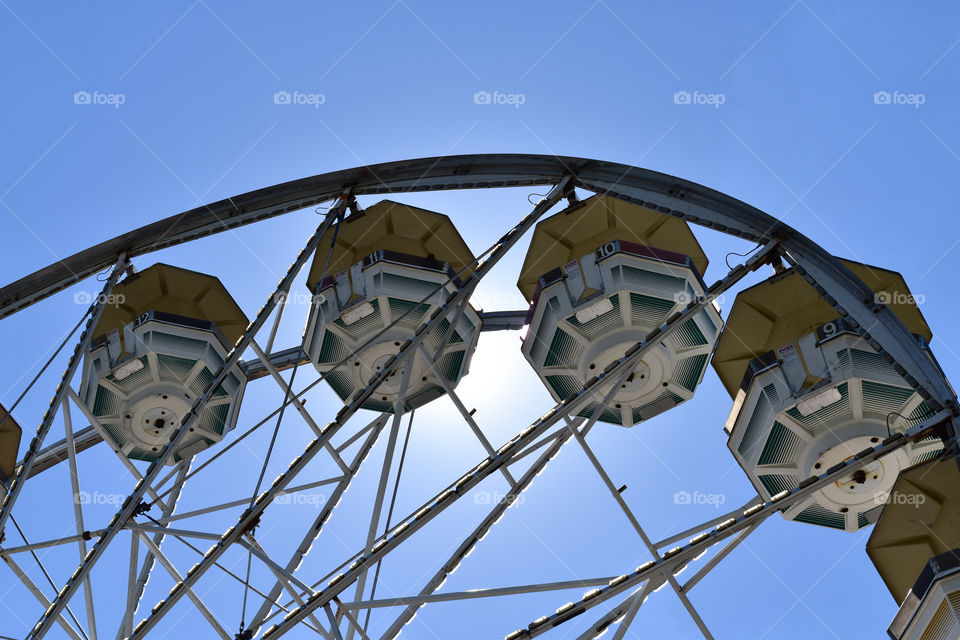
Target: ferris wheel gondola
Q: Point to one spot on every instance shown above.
(622, 325)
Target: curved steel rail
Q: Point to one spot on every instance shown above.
(693, 202)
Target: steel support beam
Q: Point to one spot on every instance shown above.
(571, 405)
(677, 558)
(693, 202)
(494, 592)
(22, 471)
(356, 401)
(135, 589)
(315, 528)
(233, 357)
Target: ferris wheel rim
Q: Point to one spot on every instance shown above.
(668, 194)
(682, 198)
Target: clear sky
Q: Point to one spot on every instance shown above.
(117, 114)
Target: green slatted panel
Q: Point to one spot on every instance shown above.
(201, 381)
(378, 405)
(771, 391)
(774, 483)
(398, 307)
(843, 358)
(862, 520)
(363, 326)
(687, 371)
(642, 280)
(178, 458)
(135, 379)
(602, 324)
(160, 341)
(333, 349)
(819, 418)
(649, 311)
(106, 402)
(341, 382)
(174, 369)
(214, 418)
(867, 361)
(762, 411)
(781, 447)
(429, 393)
(139, 453)
(564, 350)
(638, 411)
(418, 289)
(921, 413)
(551, 315)
(816, 514)
(884, 398)
(688, 335)
(609, 414)
(450, 364)
(435, 336)
(564, 386)
(116, 433)
(923, 457)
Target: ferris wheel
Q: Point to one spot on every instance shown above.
(836, 396)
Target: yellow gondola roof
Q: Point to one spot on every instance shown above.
(600, 219)
(162, 287)
(785, 307)
(391, 226)
(10, 433)
(921, 520)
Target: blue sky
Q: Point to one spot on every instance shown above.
(787, 112)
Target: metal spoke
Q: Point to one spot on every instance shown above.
(841, 289)
(282, 575)
(373, 430)
(621, 612)
(356, 401)
(42, 599)
(95, 423)
(611, 487)
(126, 623)
(302, 410)
(636, 602)
(377, 512)
(467, 416)
(78, 512)
(493, 592)
(675, 559)
(715, 560)
(166, 564)
(133, 500)
(242, 501)
(22, 471)
(136, 590)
